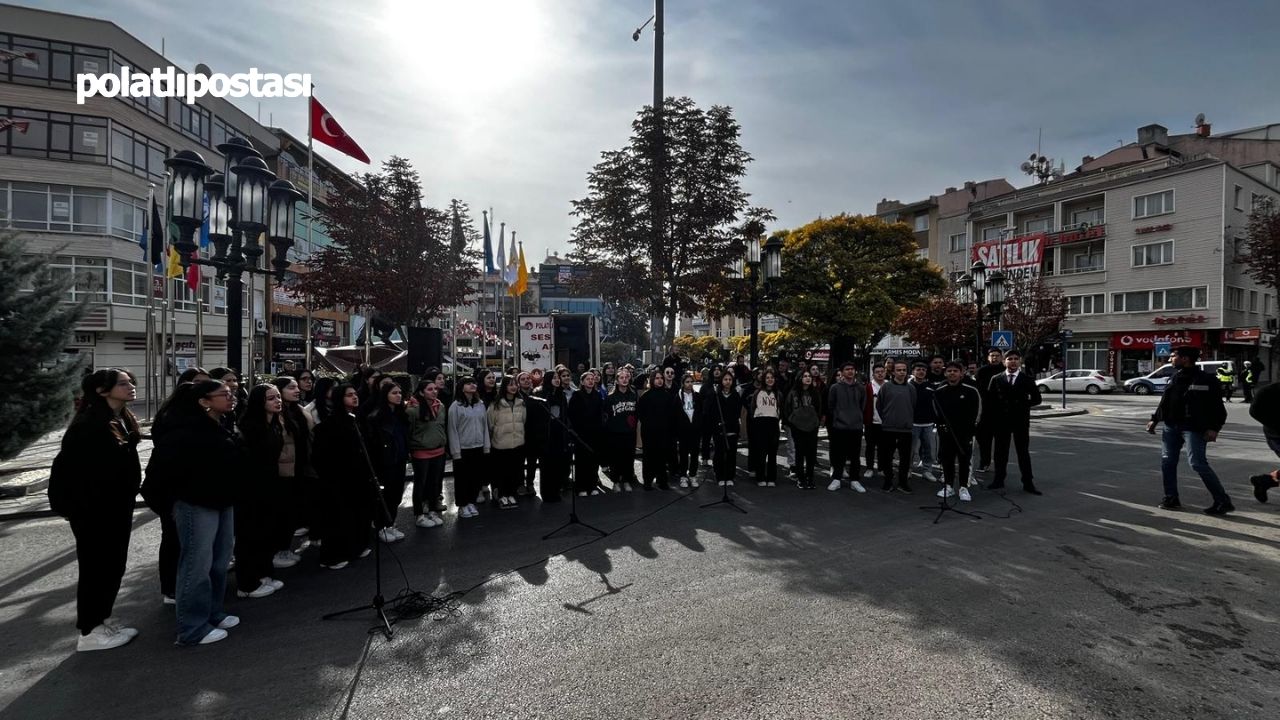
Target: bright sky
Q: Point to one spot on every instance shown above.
(508, 103)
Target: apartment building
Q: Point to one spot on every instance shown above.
(1144, 241)
(75, 181)
(925, 215)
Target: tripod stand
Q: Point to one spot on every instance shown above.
(573, 498)
(384, 515)
(732, 452)
(966, 450)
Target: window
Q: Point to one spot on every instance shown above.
(1159, 203)
(1235, 298)
(49, 64)
(1038, 225)
(1083, 258)
(922, 222)
(90, 276)
(1266, 304)
(1089, 354)
(63, 208)
(992, 233)
(959, 242)
(137, 153)
(1159, 253)
(153, 106)
(1093, 216)
(56, 136)
(1239, 193)
(1187, 298)
(190, 120)
(1087, 304)
(1253, 301)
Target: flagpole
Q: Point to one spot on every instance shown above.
(200, 322)
(252, 333)
(164, 326)
(311, 211)
(150, 324)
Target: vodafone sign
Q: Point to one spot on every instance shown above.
(1148, 340)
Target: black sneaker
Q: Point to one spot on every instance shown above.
(1031, 489)
(887, 486)
(904, 488)
(1261, 484)
(1220, 508)
(995, 486)
(1170, 502)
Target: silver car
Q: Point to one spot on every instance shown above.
(1086, 381)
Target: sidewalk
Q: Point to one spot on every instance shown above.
(24, 479)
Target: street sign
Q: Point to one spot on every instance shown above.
(1164, 349)
(1066, 334)
(1002, 340)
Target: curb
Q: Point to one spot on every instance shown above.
(1058, 414)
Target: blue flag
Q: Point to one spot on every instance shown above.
(204, 226)
(489, 269)
(142, 237)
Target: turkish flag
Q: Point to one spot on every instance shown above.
(327, 130)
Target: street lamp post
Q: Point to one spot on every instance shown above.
(244, 202)
(986, 293)
(659, 154)
(751, 267)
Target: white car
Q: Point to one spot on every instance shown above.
(1086, 381)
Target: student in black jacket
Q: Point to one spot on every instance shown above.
(264, 497)
(620, 431)
(1012, 394)
(201, 462)
(655, 411)
(94, 481)
(710, 382)
(1192, 412)
(348, 483)
(553, 444)
(724, 417)
(688, 424)
(1266, 410)
(986, 428)
(586, 417)
(958, 409)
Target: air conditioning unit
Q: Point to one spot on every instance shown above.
(260, 325)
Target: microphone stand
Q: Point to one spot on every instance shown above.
(573, 497)
(966, 450)
(733, 459)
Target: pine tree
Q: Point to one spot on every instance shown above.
(35, 324)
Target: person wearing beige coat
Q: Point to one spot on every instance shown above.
(507, 415)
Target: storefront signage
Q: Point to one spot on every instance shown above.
(1179, 319)
(1246, 335)
(1018, 258)
(1081, 233)
(1149, 339)
(537, 342)
(1152, 229)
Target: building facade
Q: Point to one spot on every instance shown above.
(1147, 251)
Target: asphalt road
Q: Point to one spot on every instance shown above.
(1088, 603)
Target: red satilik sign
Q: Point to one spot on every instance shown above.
(1017, 257)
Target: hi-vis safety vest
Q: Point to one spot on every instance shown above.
(1224, 375)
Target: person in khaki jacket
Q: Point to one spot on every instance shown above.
(507, 416)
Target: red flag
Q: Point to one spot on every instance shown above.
(19, 125)
(327, 130)
(193, 279)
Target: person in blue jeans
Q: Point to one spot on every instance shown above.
(200, 461)
(1192, 411)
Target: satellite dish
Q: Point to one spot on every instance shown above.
(1032, 158)
(202, 69)
(1025, 167)
(1042, 159)
(1199, 119)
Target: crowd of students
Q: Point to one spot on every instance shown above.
(243, 476)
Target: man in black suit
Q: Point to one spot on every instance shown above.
(1013, 393)
(995, 364)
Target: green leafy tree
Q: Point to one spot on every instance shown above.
(697, 348)
(847, 278)
(1262, 254)
(702, 203)
(618, 353)
(1034, 310)
(35, 324)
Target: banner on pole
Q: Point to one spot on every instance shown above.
(1018, 258)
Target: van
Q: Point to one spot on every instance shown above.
(1156, 380)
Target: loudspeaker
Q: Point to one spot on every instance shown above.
(426, 349)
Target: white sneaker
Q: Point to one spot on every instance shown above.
(365, 553)
(480, 498)
(277, 584)
(336, 566)
(867, 474)
(626, 487)
(301, 531)
(473, 511)
(435, 518)
(693, 482)
(720, 483)
(597, 491)
(228, 622)
(835, 485)
(102, 637)
(946, 492)
(857, 486)
(964, 494)
(729, 483)
(215, 635)
(284, 559)
(168, 600)
(424, 521)
(583, 493)
(386, 536)
(396, 531)
(684, 482)
(930, 476)
(263, 590)
(115, 624)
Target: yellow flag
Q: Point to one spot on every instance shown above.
(174, 269)
(522, 276)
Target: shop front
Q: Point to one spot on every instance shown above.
(1133, 354)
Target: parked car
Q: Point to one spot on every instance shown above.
(1086, 381)
(1155, 381)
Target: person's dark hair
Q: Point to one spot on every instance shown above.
(508, 382)
(324, 407)
(94, 407)
(294, 417)
(764, 379)
(424, 409)
(379, 409)
(334, 406)
(462, 398)
(220, 372)
(190, 374)
(254, 420)
(847, 363)
(957, 365)
(1013, 354)
(184, 404)
(936, 357)
(915, 365)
